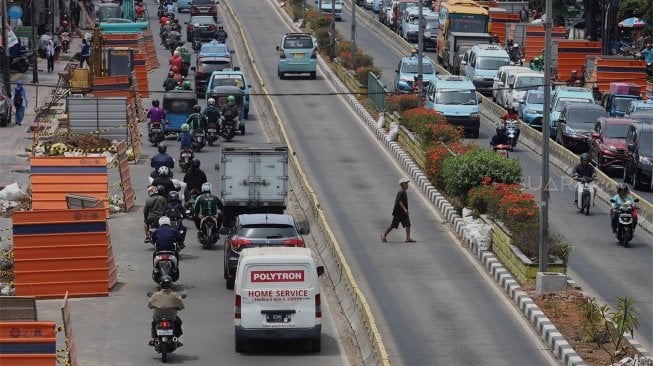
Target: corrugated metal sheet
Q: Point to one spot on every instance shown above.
(107, 115)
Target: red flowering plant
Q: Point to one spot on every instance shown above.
(444, 132)
(518, 208)
(419, 120)
(400, 102)
(486, 197)
(362, 73)
(435, 155)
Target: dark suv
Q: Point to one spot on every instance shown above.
(638, 162)
(256, 230)
(5, 107)
(204, 69)
(204, 7)
(575, 123)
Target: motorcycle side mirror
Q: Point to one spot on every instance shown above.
(320, 270)
(612, 200)
(631, 147)
(277, 48)
(224, 230)
(192, 68)
(216, 167)
(304, 231)
(183, 296)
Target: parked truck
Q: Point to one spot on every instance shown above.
(618, 99)
(327, 6)
(254, 179)
(457, 44)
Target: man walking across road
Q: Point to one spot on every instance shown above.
(85, 54)
(19, 99)
(400, 212)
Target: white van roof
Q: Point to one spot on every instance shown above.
(274, 254)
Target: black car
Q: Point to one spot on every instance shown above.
(5, 107)
(638, 161)
(204, 69)
(575, 123)
(252, 230)
(207, 28)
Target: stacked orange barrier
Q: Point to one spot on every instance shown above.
(649, 89)
(28, 343)
(140, 73)
(129, 40)
(623, 70)
(499, 24)
(112, 86)
(571, 55)
(53, 177)
(150, 49)
(59, 251)
(534, 40)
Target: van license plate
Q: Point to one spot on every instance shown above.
(278, 318)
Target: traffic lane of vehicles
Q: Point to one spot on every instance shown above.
(621, 271)
(200, 277)
(345, 166)
(607, 283)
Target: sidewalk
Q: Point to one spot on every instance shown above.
(14, 160)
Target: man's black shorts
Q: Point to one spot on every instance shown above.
(404, 220)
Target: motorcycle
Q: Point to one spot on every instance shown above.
(229, 128)
(190, 202)
(165, 341)
(197, 44)
(155, 134)
(212, 133)
(22, 62)
(208, 234)
(516, 56)
(584, 194)
(165, 263)
(65, 41)
(198, 142)
(501, 149)
(175, 222)
(173, 42)
(511, 132)
(625, 222)
(185, 158)
(536, 65)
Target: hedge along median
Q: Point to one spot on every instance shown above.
(353, 303)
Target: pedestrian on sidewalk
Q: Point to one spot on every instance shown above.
(19, 100)
(56, 40)
(523, 15)
(400, 212)
(85, 54)
(49, 55)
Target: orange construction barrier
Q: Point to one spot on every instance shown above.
(499, 22)
(112, 86)
(150, 49)
(625, 70)
(53, 177)
(59, 251)
(140, 72)
(571, 55)
(28, 343)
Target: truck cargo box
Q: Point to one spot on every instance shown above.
(624, 89)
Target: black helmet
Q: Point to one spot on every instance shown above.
(166, 282)
(173, 196)
(197, 108)
(622, 187)
(162, 148)
(584, 157)
(195, 163)
(161, 190)
(155, 102)
(220, 26)
(511, 109)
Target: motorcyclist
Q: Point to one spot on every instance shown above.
(162, 22)
(574, 80)
(152, 210)
(170, 82)
(185, 138)
(65, 28)
(174, 203)
(212, 113)
(166, 303)
(161, 159)
(501, 137)
(221, 34)
(206, 204)
(623, 195)
(170, 8)
(165, 31)
(495, 39)
(176, 60)
(583, 170)
(194, 178)
(186, 85)
(197, 33)
(515, 53)
(139, 11)
(230, 112)
(156, 114)
(648, 53)
(165, 237)
(175, 25)
(197, 121)
(174, 38)
(163, 179)
(414, 54)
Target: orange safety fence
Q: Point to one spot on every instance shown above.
(140, 72)
(59, 251)
(150, 47)
(571, 55)
(627, 70)
(534, 39)
(499, 24)
(28, 343)
(53, 177)
(112, 86)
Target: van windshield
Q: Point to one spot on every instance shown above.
(491, 63)
(528, 82)
(620, 104)
(411, 68)
(456, 97)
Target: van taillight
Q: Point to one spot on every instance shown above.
(296, 242)
(314, 54)
(237, 307)
(237, 242)
(282, 54)
(318, 306)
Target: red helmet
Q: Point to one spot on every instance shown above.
(65, 22)
(175, 69)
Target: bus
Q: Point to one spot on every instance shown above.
(464, 16)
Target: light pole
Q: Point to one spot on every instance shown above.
(5, 43)
(420, 68)
(544, 187)
(353, 30)
(333, 30)
(35, 45)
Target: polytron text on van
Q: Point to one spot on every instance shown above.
(277, 276)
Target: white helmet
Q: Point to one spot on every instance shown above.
(167, 22)
(211, 101)
(196, 25)
(163, 171)
(176, 53)
(515, 45)
(206, 188)
(164, 220)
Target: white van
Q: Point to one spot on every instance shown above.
(277, 296)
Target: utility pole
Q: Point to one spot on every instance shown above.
(5, 43)
(353, 30)
(35, 45)
(333, 30)
(420, 68)
(544, 187)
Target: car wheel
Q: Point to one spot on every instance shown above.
(626, 175)
(637, 181)
(281, 75)
(475, 134)
(230, 283)
(313, 75)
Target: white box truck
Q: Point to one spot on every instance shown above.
(254, 179)
(277, 296)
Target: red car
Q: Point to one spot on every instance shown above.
(608, 143)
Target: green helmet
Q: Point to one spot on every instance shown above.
(186, 85)
(231, 99)
(185, 127)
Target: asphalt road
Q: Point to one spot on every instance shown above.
(432, 302)
(602, 267)
(114, 330)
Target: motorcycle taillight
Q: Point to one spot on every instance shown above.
(165, 324)
(165, 257)
(186, 150)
